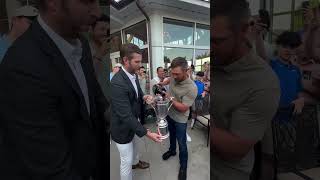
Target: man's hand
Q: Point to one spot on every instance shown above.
(148, 99)
(154, 136)
(165, 82)
(308, 15)
(257, 29)
(168, 96)
(298, 105)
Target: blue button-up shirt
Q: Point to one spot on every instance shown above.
(4, 46)
(290, 81)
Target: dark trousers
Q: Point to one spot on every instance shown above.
(178, 132)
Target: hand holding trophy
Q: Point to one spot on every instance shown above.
(161, 105)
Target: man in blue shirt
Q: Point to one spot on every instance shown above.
(197, 106)
(21, 21)
(289, 75)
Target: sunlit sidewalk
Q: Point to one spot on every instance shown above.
(198, 164)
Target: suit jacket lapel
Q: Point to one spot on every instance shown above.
(128, 81)
(139, 88)
(86, 62)
(50, 48)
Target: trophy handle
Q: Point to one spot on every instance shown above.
(153, 108)
(171, 103)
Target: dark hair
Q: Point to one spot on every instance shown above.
(102, 18)
(179, 62)
(192, 67)
(289, 39)
(158, 68)
(128, 49)
(237, 12)
(200, 73)
(142, 67)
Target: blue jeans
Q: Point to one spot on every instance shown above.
(178, 132)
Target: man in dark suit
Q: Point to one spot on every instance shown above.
(127, 104)
(52, 110)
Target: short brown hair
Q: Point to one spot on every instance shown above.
(179, 62)
(128, 49)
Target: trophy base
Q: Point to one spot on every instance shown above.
(164, 137)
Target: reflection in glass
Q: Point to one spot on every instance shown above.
(201, 57)
(145, 57)
(171, 53)
(177, 32)
(137, 34)
(281, 23)
(281, 6)
(202, 35)
(115, 42)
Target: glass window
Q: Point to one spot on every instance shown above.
(281, 23)
(254, 6)
(29, 2)
(201, 57)
(115, 42)
(171, 53)
(145, 57)
(177, 32)
(298, 4)
(202, 35)
(281, 6)
(137, 34)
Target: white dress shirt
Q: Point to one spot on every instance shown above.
(133, 80)
(73, 54)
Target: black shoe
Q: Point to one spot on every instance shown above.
(182, 174)
(168, 154)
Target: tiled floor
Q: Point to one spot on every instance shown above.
(198, 164)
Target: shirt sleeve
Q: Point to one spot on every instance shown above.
(251, 120)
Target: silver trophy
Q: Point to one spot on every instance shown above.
(161, 106)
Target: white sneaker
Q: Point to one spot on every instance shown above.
(192, 123)
(188, 137)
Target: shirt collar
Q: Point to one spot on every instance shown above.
(279, 62)
(130, 76)
(186, 81)
(65, 47)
